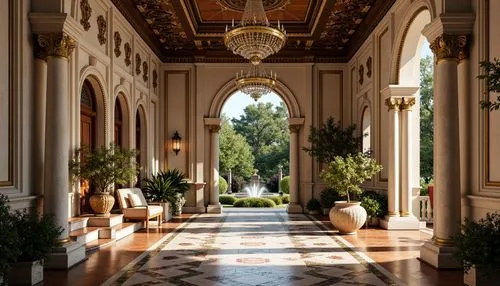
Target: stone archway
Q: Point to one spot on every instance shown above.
(212, 124)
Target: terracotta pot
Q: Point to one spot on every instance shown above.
(26, 273)
(430, 188)
(348, 217)
(101, 203)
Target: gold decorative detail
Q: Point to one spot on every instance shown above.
(295, 128)
(361, 72)
(118, 43)
(393, 103)
(128, 54)
(256, 81)
(407, 103)
(392, 213)
(442, 241)
(138, 61)
(55, 45)
(155, 79)
(102, 25)
(405, 213)
(369, 67)
(214, 128)
(449, 46)
(63, 241)
(86, 12)
(239, 5)
(145, 71)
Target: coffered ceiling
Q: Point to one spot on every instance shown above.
(192, 30)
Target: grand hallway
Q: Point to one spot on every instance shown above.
(258, 247)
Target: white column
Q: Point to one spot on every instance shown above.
(406, 163)
(214, 206)
(39, 108)
(447, 197)
(294, 205)
(230, 182)
(394, 167)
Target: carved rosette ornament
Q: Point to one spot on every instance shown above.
(138, 64)
(449, 47)
(102, 25)
(155, 79)
(145, 71)
(86, 12)
(369, 67)
(407, 103)
(393, 103)
(128, 54)
(55, 45)
(118, 43)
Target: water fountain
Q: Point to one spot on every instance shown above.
(255, 190)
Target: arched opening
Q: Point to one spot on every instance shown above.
(141, 143)
(366, 129)
(88, 116)
(121, 126)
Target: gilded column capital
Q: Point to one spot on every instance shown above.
(393, 103)
(407, 103)
(449, 47)
(54, 45)
(294, 128)
(214, 128)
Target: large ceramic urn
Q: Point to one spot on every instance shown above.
(347, 217)
(101, 203)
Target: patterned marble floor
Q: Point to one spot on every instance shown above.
(252, 247)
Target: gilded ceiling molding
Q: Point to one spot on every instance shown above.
(138, 64)
(361, 72)
(86, 12)
(118, 43)
(407, 103)
(128, 54)
(239, 5)
(55, 45)
(449, 47)
(145, 71)
(102, 25)
(369, 67)
(393, 103)
(155, 79)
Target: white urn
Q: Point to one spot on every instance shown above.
(347, 217)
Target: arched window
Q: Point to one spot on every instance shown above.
(366, 129)
(118, 124)
(88, 116)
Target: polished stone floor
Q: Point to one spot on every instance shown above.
(258, 247)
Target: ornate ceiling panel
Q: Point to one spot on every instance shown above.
(192, 30)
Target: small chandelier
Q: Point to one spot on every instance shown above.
(256, 81)
(254, 38)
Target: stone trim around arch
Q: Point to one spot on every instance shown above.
(230, 88)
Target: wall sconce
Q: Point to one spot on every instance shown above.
(176, 143)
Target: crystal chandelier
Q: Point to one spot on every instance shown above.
(254, 38)
(256, 81)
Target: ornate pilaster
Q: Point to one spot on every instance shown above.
(54, 45)
(294, 205)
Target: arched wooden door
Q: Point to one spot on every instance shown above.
(138, 144)
(88, 135)
(118, 136)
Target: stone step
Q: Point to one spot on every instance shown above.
(98, 237)
(99, 244)
(76, 223)
(85, 235)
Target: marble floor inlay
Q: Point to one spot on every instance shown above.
(253, 247)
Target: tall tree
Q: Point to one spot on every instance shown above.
(265, 128)
(426, 117)
(235, 153)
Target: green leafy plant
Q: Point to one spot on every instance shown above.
(378, 207)
(328, 196)
(371, 206)
(313, 205)
(346, 174)
(254, 203)
(37, 235)
(9, 238)
(168, 186)
(492, 79)
(222, 185)
(331, 140)
(478, 244)
(285, 199)
(276, 199)
(104, 166)
(227, 199)
(285, 184)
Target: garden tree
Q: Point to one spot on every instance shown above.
(331, 140)
(426, 117)
(235, 153)
(265, 128)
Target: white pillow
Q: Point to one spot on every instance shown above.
(135, 200)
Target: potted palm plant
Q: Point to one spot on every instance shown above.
(346, 174)
(167, 188)
(103, 167)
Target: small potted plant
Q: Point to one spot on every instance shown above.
(9, 239)
(103, 167)
(478, 249)
(313, 206)
(375, 205)
(167, 187)
(346, 174)
(37, 236)
(328, 197)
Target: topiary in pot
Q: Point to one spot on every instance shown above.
(313, 205)
(9, 239)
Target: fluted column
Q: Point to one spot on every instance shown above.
(393, 104)
(447, 197)
(406, 164)
(294, 205)
(58, 48)
(39, 108)
(214, 206)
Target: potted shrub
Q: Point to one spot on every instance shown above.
(103, 167)
(37, 236)
(346, 175)
(478, 249)
(168, 186)
(328, 197)
(313, 205)
(375, 205)
(9, 246)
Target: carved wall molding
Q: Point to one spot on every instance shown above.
(361, 72)
(118, 43)
(449, 47)
(55, 45)
(102, 25)
(145, 71)
(128, 54)
(86, 12)
(215, 128)
(294, 128)
(138, 61)
(369, 67)
(155, 79)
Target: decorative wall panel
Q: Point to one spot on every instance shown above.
(6, 97)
